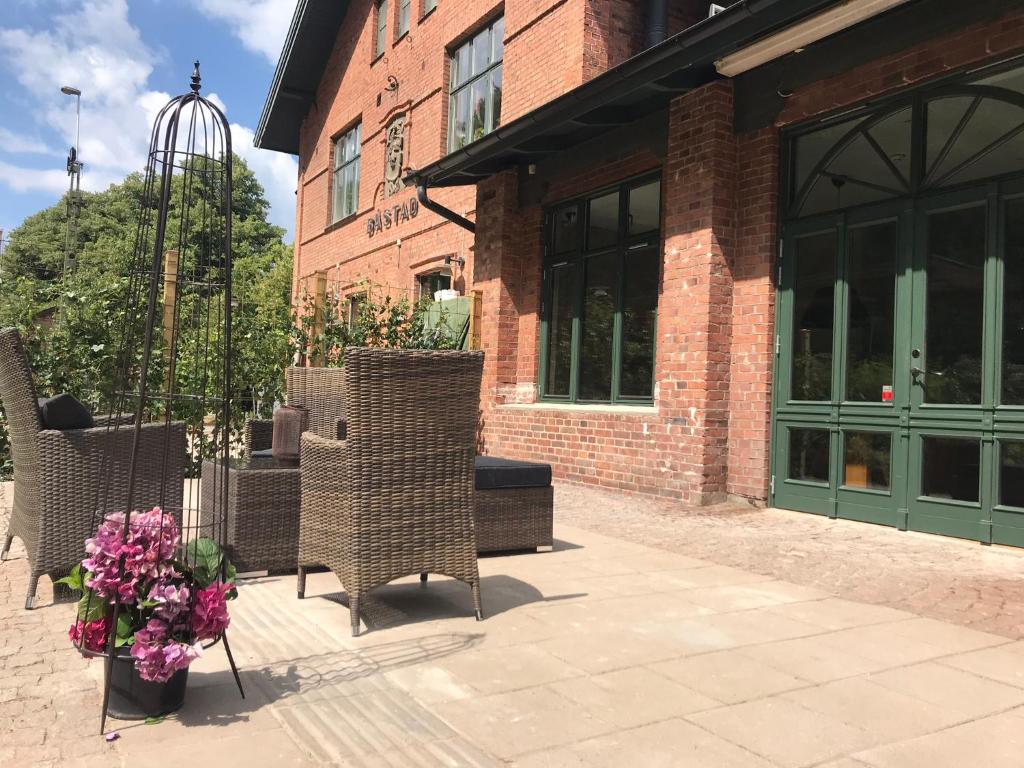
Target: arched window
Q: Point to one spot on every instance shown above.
(971, 131)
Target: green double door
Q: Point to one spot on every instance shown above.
(899, 394)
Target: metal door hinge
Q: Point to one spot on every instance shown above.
(778, 345)
(771, 485)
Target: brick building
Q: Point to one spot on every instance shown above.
(772, 251)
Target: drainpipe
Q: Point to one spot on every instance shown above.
(440, 210)
(657, 23)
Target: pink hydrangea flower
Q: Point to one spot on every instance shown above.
(95, 632)
(210, 612)
(148, 547)
(157, 656)
(173, 600)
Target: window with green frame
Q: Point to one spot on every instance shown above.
(599, 313)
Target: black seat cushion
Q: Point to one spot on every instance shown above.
(493, 473)
(265, 453)
(64, 412)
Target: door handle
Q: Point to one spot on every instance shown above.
(915, 372)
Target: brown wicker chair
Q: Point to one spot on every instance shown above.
(58, 475)
(321, 390)
(396, 496)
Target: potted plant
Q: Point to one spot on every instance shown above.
(170, 598)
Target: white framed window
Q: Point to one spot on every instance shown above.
(345, 176)
(404, 14)
(474, 107)
(381, 33)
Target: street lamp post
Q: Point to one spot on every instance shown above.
(74, 204)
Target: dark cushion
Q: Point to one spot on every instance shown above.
(64, 412)
(266, 453)
(493, 473)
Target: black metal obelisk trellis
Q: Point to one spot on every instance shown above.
(170, 403)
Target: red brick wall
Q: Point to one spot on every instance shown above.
(544, 57)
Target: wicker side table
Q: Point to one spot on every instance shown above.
(263, 512)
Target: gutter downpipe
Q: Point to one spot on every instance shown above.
(440, 210)
(657, 22)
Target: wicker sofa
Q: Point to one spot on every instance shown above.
(395, 497)
(60, 477)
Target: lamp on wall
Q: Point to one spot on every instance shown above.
(450, 259)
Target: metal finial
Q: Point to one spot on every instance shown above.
(195, 77)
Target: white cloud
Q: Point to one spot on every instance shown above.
(14, 143)
(92, 45)
(33, 179)
(261, 25)
(277, 171)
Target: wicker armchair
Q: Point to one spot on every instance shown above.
(59, 475)
(396, 496)
(321, 390)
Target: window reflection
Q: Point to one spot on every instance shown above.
(871, 306)
(867, 457)
(956, 291)
(809, 454)
(813, 299)
(950, 468)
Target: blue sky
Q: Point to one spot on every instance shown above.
(128, 57)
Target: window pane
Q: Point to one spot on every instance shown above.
(603, 221)
(867, 460)
(495, 98)
(429, 5)
(1013, 306)
(871, 307)
(984, 122)
(559, 352)
(480, 99)
(1011, 473)
(566, 229)
(808, 455)
(598, 328)
(892, 134)
(956, 289)
(811, 148)
(950, 468)
(481, 51)
(644, 208)
(498, 40)
(337, 196)
(639, 315)
(403, 17)
(813, 298)
(460, 119)
(382, 26)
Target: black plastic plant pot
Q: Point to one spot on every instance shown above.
(132, 698)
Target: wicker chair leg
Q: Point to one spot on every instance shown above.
(423, 578)
(353, 607)
(478, 602)
(301, 587)
(30, 597)
(7, 546)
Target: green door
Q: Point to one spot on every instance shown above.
(840, 403)
(899, 370)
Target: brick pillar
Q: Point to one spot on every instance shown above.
(502, 237)
(753, 313)
(694, 316)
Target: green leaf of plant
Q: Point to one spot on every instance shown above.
(92, 607)
(204, 555)
(74, 579)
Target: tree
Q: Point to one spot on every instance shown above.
(70, 326)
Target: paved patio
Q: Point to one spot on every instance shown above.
(606, 651)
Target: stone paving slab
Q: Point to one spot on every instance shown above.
(604, 652)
